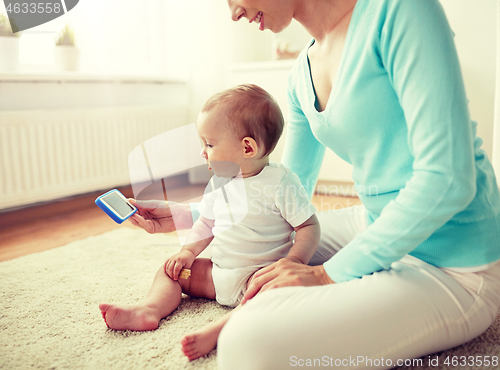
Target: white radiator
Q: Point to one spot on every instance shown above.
(49, 154)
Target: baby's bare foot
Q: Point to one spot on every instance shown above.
(199, 343)
(127, 317)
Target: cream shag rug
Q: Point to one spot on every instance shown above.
(49, 307)
(50, 319)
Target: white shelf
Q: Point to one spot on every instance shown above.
(77, 77)
(284, 64)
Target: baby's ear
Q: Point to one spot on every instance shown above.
(250, 147)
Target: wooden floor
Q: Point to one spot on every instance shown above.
(51, 225)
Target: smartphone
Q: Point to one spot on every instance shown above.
(115, 205)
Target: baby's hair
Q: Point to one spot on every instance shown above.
(252, 112)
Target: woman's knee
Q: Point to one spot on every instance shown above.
(243, 337)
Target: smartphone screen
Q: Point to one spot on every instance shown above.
(118, 204)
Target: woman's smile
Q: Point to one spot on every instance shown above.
(259, 18)
(269, 15)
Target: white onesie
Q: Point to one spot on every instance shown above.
(254, 218)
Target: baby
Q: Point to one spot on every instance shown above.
(248, 219)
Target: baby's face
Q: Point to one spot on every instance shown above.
(220, 143)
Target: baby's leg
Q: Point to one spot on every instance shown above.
(163, 298)
(201, 342)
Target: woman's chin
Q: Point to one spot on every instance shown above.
(279, 28)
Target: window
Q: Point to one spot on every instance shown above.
(114, 36)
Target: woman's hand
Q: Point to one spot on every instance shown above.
(157, 216)
(174, 265)
(286, 272)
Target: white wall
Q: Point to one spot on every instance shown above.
(200, 49)
(474, 24)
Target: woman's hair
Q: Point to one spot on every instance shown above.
(251, 111)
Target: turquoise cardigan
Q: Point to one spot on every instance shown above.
(399, 114)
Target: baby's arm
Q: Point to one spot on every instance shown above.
(306, 241)
(199, 238)
(201, 231)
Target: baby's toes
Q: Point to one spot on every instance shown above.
(188, 341)
(194, 357)
(189, 352)
(103, 307)
(104, 317)
(103, 314)
(192, 354)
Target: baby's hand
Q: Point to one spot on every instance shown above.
(174, 265)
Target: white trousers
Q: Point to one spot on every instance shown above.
(378, 321)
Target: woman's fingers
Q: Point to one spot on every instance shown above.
(250, 293)
(264, 270)
(140, 209)
(259, 281)
(158, 215)
(148, 204)
(133, 221)
(273, 284)
(152, 208)
(269, 279)
(286, 273)
(138, 220)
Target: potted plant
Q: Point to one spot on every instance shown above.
(9, 46)
(66, 54)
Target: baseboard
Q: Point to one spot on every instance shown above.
(336, 189)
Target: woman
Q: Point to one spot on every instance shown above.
(380, 85)
(414, 270)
